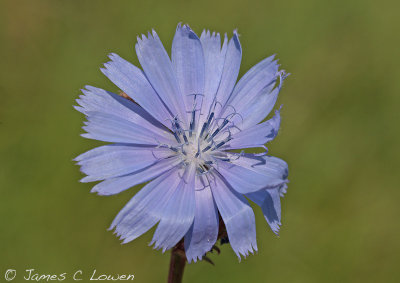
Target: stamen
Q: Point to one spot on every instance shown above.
(200, 170)
(224, 141)
(203, 129)
(184, 137)
(207, 124)
(238, 155)
(262, 153)
(235, 113)
(224, 159)
(236, 127)
(178, 129)
(226, 121)
(173, 148)
(193, 119)
(210, 118)
(177, 137)
(221, 143)
(192, 122)
(208, 154)
(215, 105)
(206, 148)
(156, 157)
(182, 177)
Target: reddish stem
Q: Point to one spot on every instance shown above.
(177, 264)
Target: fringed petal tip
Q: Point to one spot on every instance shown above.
(143, 37)
(235, 39)
(196, 257)
(86, 135)
(94, 190)
(87, 179)
(283, 189)
(185, 29)
(159, 246)
(113, 56)
(122, 235)
(123, 240)
(282, 76)
(182, 26)
(79, 108)
(206, 34)
(275, 227)
(245, 252)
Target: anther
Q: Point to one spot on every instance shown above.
(177, 137)
(220, 144)
(198, 149)
(173, 148)
(226, 121)
(206, 148)
(185, 138)
(203, 129)
(207, 124)
(192, 123)
(223, 142)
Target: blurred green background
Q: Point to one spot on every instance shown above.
(340, 136)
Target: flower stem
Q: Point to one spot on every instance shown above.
(177, 264)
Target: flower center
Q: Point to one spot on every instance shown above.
(191, 150)
(202, 145)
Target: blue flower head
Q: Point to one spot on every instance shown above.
(179, 129)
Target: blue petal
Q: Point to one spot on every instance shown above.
(115, 160)
(99, 100)
(262, 74)
(133, 82)
(214, 58)
(111, 128)
(271, 209)
(258, 106)
(158, 69)
(230, 71)
(188, 62)
(146, 208)
(247, 91)
(270, 203)
(118, 184)
(251, 173)
(256, 136)
(204, 232)
(238, 217)
(283, 190)
(179, 212)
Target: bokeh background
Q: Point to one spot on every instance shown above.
(340, 136)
